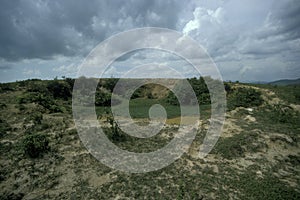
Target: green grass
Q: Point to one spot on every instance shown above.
(139, 108)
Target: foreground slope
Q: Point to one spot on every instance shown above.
(257, 156)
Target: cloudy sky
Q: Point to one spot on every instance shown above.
(249, 40)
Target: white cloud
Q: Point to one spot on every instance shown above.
(31, 72)
(203, 18)
(67, 70)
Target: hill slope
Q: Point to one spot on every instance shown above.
(286, 82)
(42, 156)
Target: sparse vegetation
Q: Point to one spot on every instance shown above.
(237, 145)
(283, 114)
(42, 156)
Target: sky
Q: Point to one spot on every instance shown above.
(249, 40)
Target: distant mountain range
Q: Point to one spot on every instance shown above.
(277, 82)
(286, 82)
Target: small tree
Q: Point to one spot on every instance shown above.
(116, 133)
(110, 83)
(102, 98)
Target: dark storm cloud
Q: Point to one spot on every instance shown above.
(43, 29)
(5, 67)
(282, 20)
(249, 37)
(287, 17)
(279, 33)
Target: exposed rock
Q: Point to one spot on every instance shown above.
(259, 174)
(250, 118)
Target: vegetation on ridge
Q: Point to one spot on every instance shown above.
(42, 156)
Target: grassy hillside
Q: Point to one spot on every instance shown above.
(42, 157)
(286, 82)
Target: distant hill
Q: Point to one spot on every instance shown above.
(286, 82)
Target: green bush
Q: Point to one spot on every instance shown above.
(37, 86)
(244, 97)
(59, 89)
(184, 94)
(6, 87)
(46, 101)
(3, 105)
(139, 93)
(172, 99)
(199, 89)
(228, 88)
(110, 83)
(4, 127)
(70, 81)
(36, 117)
(102, 98)
(116, 134)
(35, 145)
(21, 107)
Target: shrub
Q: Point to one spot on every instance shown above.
(24, 99)
(36, 117)
(6, 87)
(172, 99)
(228, 88)
(21, 107)
(35, 145)
(102, 98)
(184, 94)
(244, 97)
(47, 102)
(116, 134)
(38, 87)
(59, 89)
(199, 89)
(43, 100)
(56, 109)
(110, 83)
(3, 105)
(71, 82)
(138, 93)
(4, 127)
